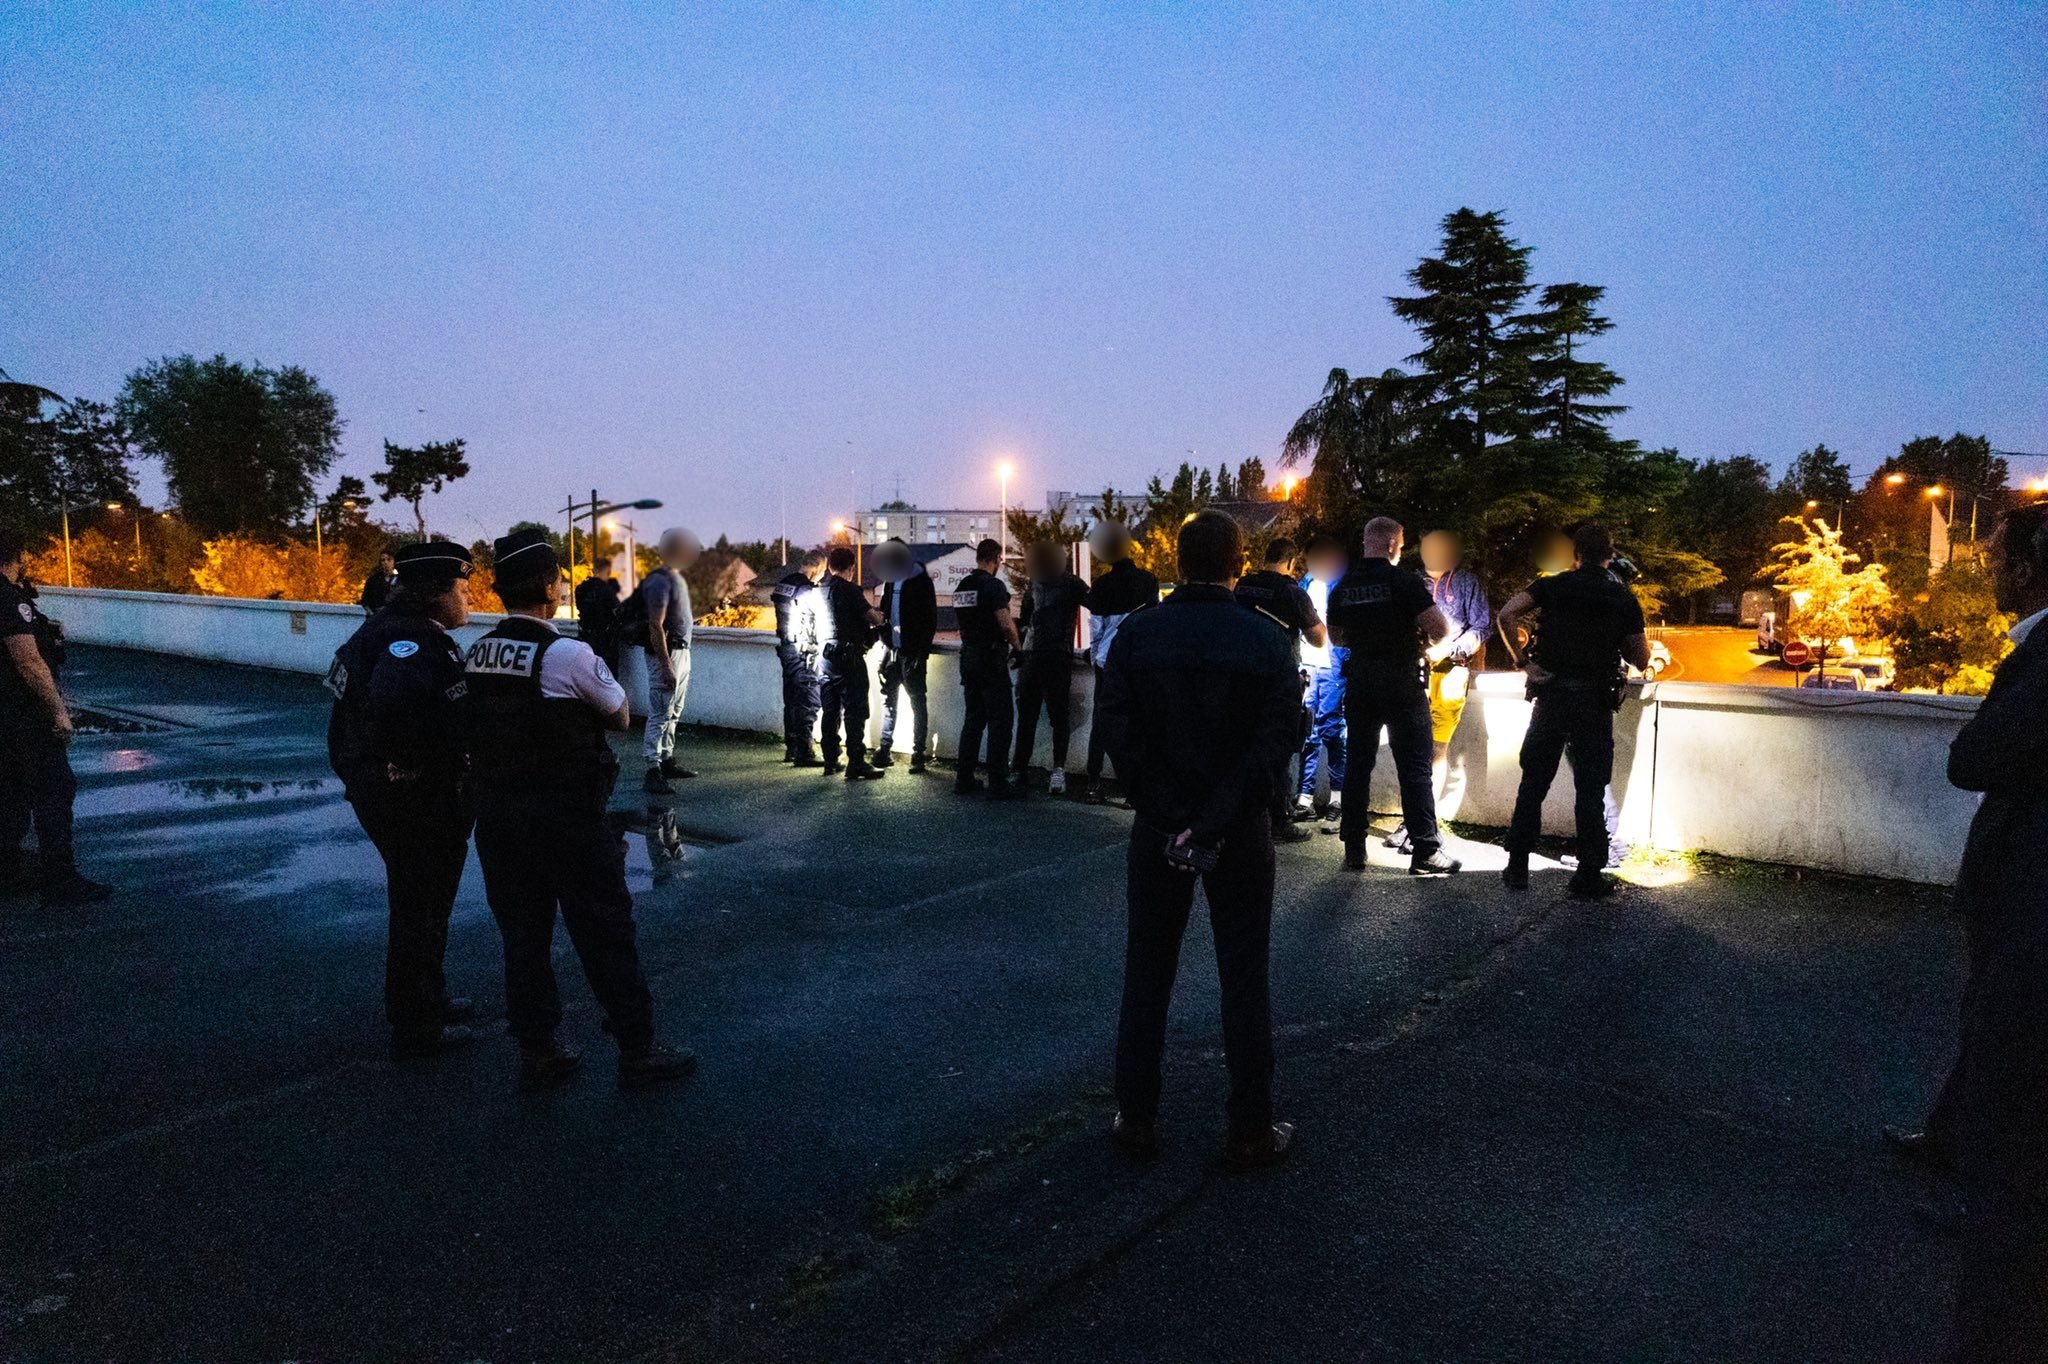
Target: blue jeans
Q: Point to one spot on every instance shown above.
(1325, 702)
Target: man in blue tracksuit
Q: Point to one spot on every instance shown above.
(1324, 664)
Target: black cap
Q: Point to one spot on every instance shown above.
(432, 561)
(524, 552)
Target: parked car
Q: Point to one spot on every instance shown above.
(1660, 659)
(1849, 680)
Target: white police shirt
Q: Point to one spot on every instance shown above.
(571, 671)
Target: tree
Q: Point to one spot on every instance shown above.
(240, 444)
(1831, 599)
(411, 472)
(1820, 476)
(1952, 635)
(1641, 500)
(1569, 386)
(53, 452)
(1354, 440)
(1727, 512)
(1475, 358)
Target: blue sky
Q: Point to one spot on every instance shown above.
(714, 256)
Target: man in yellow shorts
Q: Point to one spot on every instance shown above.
(1460, 595)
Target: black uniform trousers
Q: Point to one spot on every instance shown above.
(544, 854)
(1044, 679)
(843, 695)
(1388, 694)
(800, 702)
(1578, 719)
(36, 789)
(904, 674)
(1160, 897)
(1999, 1124)
(421, 830)
(1096, 735)
(985, 682)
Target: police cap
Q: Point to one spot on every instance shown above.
(524, 553)
(432, 561)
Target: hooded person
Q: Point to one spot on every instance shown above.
(540, 706)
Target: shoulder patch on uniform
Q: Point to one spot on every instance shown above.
(403, 648)
(28, 613)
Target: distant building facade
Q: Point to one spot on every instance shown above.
(964, 525)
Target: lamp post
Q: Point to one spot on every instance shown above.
(859, 568)
(594, 509)
(1003, 472)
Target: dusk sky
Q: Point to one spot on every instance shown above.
(702, 257)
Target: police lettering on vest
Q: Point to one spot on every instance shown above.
(524, 744)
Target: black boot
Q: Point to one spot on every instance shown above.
(1354, 856)
(546, 1064)
(70, 888)
(1516, 873)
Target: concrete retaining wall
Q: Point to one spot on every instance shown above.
(1849, 782)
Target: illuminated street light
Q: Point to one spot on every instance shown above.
(1287, 486)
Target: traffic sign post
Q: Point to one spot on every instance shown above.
(1798, 653)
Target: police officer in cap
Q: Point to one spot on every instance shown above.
(846, 628)
(1589, 625)
(1200, 705)
(539, 708)
(395, 742)
(796, 645)
(1383, 615)
(1276, 591)
(988, 635)
(36, 782)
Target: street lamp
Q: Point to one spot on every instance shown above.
(1003, 472)
(595, 509)
(1287, 486)
(859, 571)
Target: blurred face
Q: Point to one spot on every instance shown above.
(1440, 552)
(815, 572)
(1327, 566)
(387, 563)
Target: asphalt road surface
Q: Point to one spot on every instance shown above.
(1530, 1129)
(1720, 653)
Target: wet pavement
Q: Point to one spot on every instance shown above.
(1530, 1129)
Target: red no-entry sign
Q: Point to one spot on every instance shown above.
(1798, 653)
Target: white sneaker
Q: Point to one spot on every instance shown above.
(1056, 784)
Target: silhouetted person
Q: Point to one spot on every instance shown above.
(1200, 703)
(597, 613)
(2000, 1105)
(1382, 614)
(988, 634)
(1121, 588)
(377, 588)
(1589, 626)
(1045, 670)
(36, 782)
(671, 625)
(1274, 590)
(796, 647)
(395, 739)
(910, 618)
(846, 631)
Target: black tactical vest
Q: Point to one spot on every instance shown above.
(523, 743)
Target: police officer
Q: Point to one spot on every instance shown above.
(1383, 616)
(36, 783)
(1200, 706)
(988, 635)
(394, 739)
(1589, 623)
(1120, 589)
(1276, 591)
(597, 613)
(539, 708)
(796, 645)
(910, 618)
(846, 626)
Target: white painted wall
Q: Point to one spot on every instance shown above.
(1844, 781)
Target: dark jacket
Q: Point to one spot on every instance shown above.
(1199, 706)
(597, 613)
(920, 611)
(842, 616)
(2003, 752)
(377, 590)
(398, 686)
